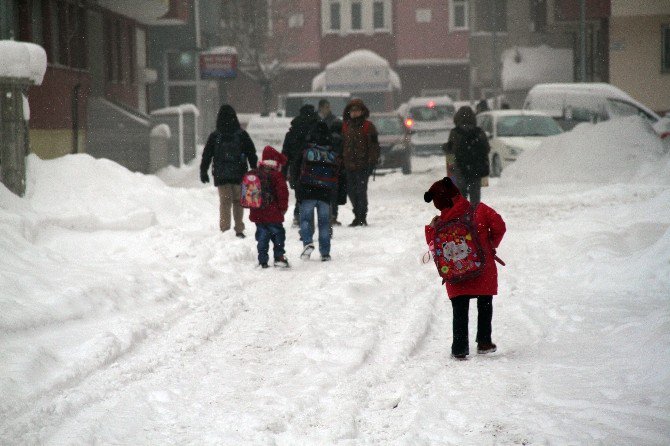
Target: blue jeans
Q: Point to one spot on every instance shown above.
(265, 233)
(306, 228)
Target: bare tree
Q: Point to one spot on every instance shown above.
(260, 31)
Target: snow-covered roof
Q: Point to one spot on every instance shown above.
(523, 67)
(359, 58)
(221, 50)
(22, 60)
(360, 70)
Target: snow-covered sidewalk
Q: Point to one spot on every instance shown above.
(128, 319)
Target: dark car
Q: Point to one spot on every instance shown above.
(396, 150)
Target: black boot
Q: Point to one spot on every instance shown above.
(355, 223)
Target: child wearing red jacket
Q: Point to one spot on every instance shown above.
(269, 219)
(490, 229)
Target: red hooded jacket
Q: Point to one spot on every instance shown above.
(272, 163)
(490, 228)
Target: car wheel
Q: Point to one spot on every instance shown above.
(407, 167)
(496, 166)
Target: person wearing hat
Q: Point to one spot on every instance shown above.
(360, 144)
(295, 142)
(490, 229)
(270, 218)
(231, 152)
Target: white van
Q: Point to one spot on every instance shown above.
(429, 121)
(572, 103)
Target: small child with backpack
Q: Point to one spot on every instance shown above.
(265, 193)
(463, 242)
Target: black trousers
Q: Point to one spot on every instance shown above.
(357, 188)
(461, 307)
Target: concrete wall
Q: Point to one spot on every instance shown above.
(635, 59)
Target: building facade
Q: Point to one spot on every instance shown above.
(640, 51)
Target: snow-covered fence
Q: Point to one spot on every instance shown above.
(182, 121)
(23, 64)
(158, 147)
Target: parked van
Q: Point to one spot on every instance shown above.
(573, 103)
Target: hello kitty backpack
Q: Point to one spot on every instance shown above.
(456, 249)
(256, 191)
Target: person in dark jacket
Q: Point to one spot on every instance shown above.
(326, 114)
(318, 198)
(269, 219)
(467, 153)
(361, 156)
(233, 153)
(340, 195)
(295, 142)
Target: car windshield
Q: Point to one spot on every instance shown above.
(527, 125)
(387, 125)
(435, 113)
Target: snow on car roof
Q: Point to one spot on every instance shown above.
(518, 112)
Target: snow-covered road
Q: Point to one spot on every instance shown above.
(127, 319)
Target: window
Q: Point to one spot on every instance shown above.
(37, 20)
(424, 15)
(296, 20)
(356, 16)
(9, 20)
(131, 54)
(378, 16)
(491, 15)
(335, 11)
(118, 52)
(458, 15)
(665, 60)
(538, 15)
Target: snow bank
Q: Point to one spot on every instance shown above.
(23, 60)
(523, 67)
(618, 151)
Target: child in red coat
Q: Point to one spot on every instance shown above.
(269, 219)
(490, 229)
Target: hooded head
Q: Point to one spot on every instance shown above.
(226, 120)
(355, 103)
(465, 117)
(272, 158)
(442, 193)
(305, 119)
(321, 134)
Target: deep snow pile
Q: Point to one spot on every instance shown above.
(128, 319)
(618, 151)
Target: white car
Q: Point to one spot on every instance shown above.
(511, 132)
(429, 121)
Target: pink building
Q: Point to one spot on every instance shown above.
(424, 41)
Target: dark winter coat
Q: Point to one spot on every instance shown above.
(320, 135)
(490, 229)
(228, 130)
(329, 119)
(296, 140)
(469, 144)
(360, 140)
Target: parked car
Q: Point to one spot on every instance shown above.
(429, 121)
(394, 141)
(511, 132)
(572, 103)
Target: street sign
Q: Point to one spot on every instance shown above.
(218, 66)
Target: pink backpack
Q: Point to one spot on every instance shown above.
(456, 250)
(256, 189)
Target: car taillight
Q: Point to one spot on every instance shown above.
(409, 123)
(431, 104)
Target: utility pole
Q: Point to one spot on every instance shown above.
(582, 40)
(494, 44)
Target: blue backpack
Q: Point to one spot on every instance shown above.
(320, 167)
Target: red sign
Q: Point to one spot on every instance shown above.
(218, 66)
